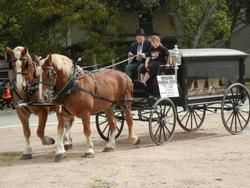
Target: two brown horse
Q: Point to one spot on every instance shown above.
(24, 79)
(86, 95)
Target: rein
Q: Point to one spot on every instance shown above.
(115, 64)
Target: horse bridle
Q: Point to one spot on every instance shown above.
(67, 88)
(51, 76)
(30, 87)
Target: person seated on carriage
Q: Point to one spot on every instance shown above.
(140, 48)
(158, 55)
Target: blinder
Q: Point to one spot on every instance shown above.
(51, 76)
(31, 85)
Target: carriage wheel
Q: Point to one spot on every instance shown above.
(235, 109)
(192, 118)
(162, 121)
(102, 124)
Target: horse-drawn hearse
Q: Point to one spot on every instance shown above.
(196, 81)
(207, 80)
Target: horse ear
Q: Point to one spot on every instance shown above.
(24, 51)
(9, 51)
(37, 59)
(49, 60)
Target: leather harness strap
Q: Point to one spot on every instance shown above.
(29, 90)
(71, 85)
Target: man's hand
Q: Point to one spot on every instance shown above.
(130, 54)
(143, 55)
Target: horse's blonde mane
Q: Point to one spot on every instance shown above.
(19, 49)
(62, 63)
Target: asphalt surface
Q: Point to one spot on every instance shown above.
(9, 118)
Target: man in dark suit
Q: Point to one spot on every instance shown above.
(140, 48)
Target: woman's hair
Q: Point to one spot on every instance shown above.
(155, 38)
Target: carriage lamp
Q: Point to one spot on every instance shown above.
(176, 56)
(176, 59)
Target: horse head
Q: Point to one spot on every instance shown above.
(54, 71)
(23, 67)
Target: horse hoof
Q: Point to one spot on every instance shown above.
(26, 157)
(108, 149)
(59, 157)
(48, 141)
(51, 141)
(68, 147)
(89, 155)
(138, 141)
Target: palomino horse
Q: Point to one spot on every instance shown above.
(85, 94)
(25, 89)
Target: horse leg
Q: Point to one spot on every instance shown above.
(60, 151)
(42, 117)
(89, 153)
(112, 129)
(67, 141)
(129, 119)
(24, 118)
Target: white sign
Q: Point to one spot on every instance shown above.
(168, 86)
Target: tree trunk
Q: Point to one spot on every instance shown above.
(235, 16)
(205, 18)
(177, 22)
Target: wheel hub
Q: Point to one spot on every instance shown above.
(236, 109)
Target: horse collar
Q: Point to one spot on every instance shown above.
(69, 86)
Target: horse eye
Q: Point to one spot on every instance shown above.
(23, 59)
(24, 65)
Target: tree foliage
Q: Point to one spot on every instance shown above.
(198, 23)
(238, 13)
(42, 25)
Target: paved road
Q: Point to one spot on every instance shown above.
(9, 118)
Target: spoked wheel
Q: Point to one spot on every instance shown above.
(192, 118)
(162, 121)
(102, 124)
(235, 109)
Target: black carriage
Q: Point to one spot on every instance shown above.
(208, 80)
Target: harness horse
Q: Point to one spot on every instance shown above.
(83, 95)
(25, 89)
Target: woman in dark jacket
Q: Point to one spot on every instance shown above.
(158, 55)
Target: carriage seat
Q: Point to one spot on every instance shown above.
(140, 90)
